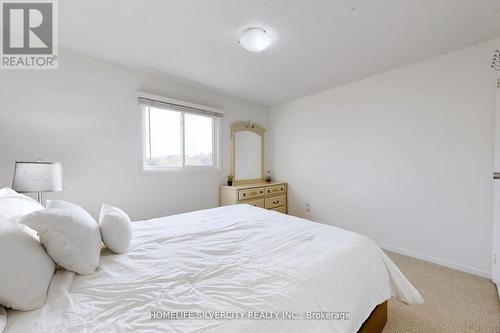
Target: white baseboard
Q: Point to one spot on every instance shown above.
(445, 263)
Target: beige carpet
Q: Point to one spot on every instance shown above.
(454, 301)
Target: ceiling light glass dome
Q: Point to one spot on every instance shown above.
(255, 39)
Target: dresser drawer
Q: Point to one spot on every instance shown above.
(276, 189)
(277, 201)
(281, 209)
(256, 203)
(251, 193)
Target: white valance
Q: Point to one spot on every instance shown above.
(172, 104)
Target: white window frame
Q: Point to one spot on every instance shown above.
(216, 140)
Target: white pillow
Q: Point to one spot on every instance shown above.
(70, 235)
(25, 270)
(3, 318)
(13, 205)
(116, 230)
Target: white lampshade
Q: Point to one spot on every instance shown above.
(37, 177)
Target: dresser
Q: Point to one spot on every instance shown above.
(272, 196)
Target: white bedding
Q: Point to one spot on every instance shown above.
(235, 258)
(3, 318)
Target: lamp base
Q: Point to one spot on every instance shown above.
(39, 197)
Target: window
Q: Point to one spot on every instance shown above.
(179, 136)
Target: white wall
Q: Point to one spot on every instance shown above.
(405, 157)
(85, 116)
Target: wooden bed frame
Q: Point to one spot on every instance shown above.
(376, 322)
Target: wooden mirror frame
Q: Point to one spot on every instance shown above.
(251, 127)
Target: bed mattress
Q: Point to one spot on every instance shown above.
(228, 269)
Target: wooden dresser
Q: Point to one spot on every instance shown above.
(272, 196)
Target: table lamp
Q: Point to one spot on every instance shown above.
(37, 177)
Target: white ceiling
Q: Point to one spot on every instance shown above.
(318, 43)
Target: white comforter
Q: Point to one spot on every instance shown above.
(236, 258)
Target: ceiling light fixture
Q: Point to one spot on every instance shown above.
(255, 39)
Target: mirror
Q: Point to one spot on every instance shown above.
(248, 152)
(247, 155)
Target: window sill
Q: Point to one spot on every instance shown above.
(186, 170)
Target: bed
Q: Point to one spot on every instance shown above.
(190, 272)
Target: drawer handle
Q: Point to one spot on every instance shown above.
(244, 194)
(261, 192)
(276, 202)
